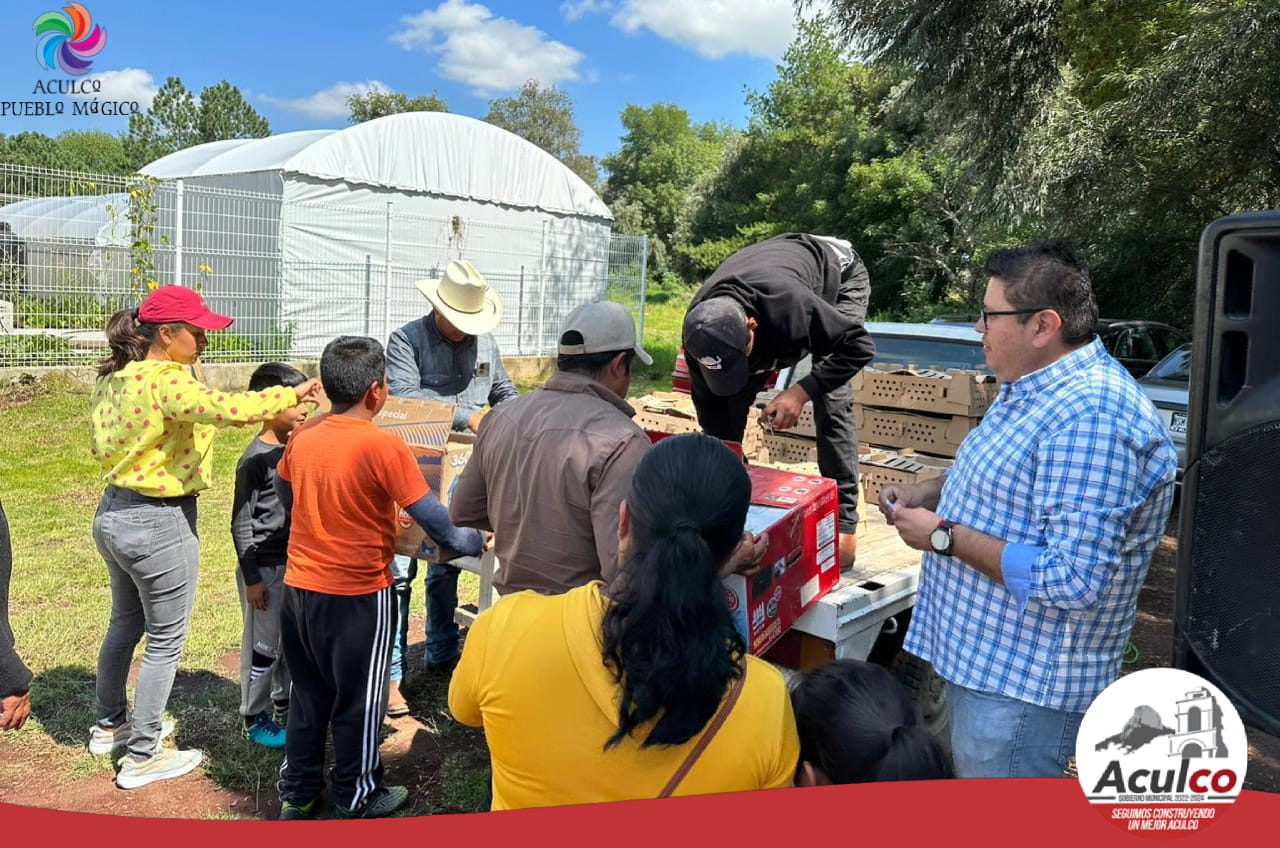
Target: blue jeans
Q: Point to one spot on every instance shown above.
(442, 600)
(997, 736)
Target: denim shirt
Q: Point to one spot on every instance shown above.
(422, 363)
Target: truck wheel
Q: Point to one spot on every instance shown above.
(929, 691)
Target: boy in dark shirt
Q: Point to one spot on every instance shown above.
(260, 530)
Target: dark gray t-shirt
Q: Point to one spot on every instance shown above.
(259, 521)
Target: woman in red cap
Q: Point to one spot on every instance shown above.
(153, 426)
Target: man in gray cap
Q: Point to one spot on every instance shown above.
(767, 307)
(550, 468)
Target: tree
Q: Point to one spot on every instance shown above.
(176, 121)
(544, 116)
(169, 124)
(663, 157)
(379, 102)
(73, 150)
(825, 152)
(224, 113)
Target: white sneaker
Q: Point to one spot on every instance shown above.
(164, 764)
(104, 740)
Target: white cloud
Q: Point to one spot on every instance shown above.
(489, 53)
(573, 10)
(328, 102)
(126, 84)
(716, 28)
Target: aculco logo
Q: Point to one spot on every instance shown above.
(1161, 750)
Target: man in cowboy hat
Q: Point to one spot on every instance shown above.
(448, 355)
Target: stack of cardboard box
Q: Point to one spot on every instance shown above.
(792, 447)
(914, 421)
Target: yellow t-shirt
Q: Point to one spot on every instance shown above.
(153, 425)
(532, 673)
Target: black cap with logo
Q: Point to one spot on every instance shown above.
(715, 342)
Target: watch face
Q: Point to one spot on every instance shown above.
(940, 539)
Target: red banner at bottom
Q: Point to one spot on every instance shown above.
(1026, 813)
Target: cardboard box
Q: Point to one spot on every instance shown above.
(801, 563)
(925, 433)
(426, 427)
(805, 425)
(883, 468)
(672, 413)
(953, 392)
(788, 449)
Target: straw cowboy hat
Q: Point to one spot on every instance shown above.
(464, 298)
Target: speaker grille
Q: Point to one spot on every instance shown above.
(1233, 603)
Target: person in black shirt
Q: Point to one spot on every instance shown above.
(260, 530)
(767, 307)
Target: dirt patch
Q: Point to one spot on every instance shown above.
(444, 765)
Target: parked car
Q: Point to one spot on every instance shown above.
(923, 345)
(1137, 344)
(1168, 385)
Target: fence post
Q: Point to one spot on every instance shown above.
(368, 290)
(542, 289)
(520, 317)
(177, 233)
(644, 278)
(386, 292)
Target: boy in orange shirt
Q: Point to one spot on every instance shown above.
(341, 475)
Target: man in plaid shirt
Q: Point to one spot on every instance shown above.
(1038, 539)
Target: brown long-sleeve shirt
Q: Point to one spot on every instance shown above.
(547, 474)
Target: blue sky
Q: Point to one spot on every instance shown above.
(296, 61)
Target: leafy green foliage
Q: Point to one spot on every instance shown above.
(176, 120)
(543, 115)
(379, 102)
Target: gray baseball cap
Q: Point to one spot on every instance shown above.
(604, 327)
(715, 342)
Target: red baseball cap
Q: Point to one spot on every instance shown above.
(174, 304)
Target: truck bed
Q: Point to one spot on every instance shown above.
(881, 584)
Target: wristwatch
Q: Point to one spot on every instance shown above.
(941, 539)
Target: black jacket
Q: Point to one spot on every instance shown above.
(15, 678)
(790, 284)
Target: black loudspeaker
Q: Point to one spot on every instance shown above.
(1227, 614)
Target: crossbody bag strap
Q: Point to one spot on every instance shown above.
(707, 735)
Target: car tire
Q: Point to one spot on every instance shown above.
(929, 693)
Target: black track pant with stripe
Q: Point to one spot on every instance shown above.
(338, 649)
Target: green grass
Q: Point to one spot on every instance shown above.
(60, 600)
(465, 777)
(663, 318)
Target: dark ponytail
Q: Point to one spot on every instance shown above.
(128, 339)
(857, 724)
(669, 637)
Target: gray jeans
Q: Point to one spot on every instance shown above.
(153, 558)
(264, 676)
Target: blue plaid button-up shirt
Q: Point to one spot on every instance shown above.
(1074, 469)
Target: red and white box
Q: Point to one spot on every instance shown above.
(802, 561)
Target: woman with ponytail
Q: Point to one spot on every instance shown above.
(152, 430)
(639, 689)
(857, 725)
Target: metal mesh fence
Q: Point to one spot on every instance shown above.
(76, 247)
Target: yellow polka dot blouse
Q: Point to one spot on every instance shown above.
(153, 425)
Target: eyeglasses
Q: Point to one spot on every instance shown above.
(988, 313)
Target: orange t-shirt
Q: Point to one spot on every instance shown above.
(346, 474)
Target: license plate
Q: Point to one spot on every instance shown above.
(1178, 423)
